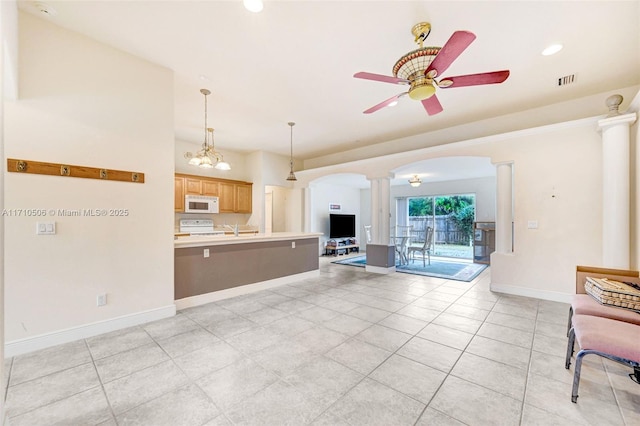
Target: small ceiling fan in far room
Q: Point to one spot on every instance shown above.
(420, 68)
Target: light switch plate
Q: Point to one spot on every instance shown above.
(532, 224)
(45, 228)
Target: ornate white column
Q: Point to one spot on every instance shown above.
(504, 207)
(615, 185)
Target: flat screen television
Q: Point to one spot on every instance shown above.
(342, 226)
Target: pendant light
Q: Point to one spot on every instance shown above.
(207, 157)
(292, 176)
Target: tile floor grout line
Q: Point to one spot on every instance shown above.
(68, 396)
(526, 382)
(6, 388)
(613, 390)
(104, 392)
(427, 405)
(374, 369)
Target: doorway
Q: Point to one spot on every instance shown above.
(450, 216)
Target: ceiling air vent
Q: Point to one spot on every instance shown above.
(567, 79)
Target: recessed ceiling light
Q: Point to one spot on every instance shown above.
(554, 48)
(203, 77)
(392, 104)
(253, 5)
(45, 9)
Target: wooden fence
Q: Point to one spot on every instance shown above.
(446, 231)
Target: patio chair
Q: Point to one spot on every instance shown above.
(401, 241)
(424, 248)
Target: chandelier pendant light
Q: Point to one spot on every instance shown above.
(415, 181)
(207, 157)
(292, 176)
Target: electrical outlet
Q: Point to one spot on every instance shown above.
(206, 252)
(101, 299)
(293, 244)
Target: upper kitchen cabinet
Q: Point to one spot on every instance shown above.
(192, 186)
(211, 188)
(233, 196)
(199, 186)
(243, 197)
(179, 194)
(227, 197)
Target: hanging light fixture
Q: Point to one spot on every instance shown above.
(415, 181)
(207, 157)
(292, 176)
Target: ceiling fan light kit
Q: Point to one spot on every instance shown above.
(419, 69)
(207, 157)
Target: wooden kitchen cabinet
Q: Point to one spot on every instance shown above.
(233, 196)
(178, 194)
(227, 197)
(210, 188)
(192, 186)
(243, 198)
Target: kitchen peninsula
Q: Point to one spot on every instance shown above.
(209, 268)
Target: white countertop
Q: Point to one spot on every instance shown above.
(214, 240)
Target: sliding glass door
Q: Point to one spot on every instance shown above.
(451, 217)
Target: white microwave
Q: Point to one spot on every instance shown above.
(200, 204)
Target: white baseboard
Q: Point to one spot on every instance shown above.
(531, 292)
(30, 344)
(380, 269)
(201, 299)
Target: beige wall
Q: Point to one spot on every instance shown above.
(8, 90)
(557, 181)
(84, 103)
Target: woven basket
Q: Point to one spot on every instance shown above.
(613, 293)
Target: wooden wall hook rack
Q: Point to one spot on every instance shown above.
(56, 169)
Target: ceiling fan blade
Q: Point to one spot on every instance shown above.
(384, 103)
(494, 77)
(380, 77)
(456, 44)
(432, 105)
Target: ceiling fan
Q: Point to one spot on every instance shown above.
(420, 68)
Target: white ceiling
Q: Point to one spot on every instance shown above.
(295, 60)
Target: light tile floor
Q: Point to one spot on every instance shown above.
(347, 348)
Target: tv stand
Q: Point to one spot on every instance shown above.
(340, 246)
